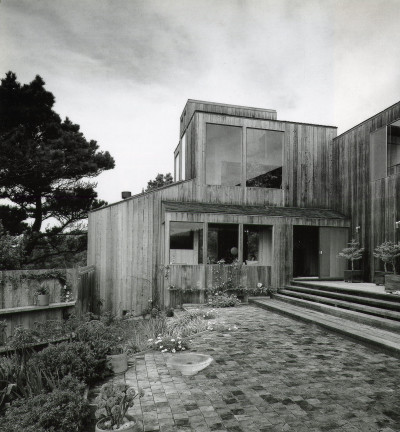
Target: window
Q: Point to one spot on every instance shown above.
(223, 155)
(385, 151)
(223, 240)
(183, 151)
(185, 243)
(257, 244)
(177, 167)
(264, 158)
(393, 148)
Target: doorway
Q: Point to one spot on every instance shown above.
(305, 251)
(315, 252)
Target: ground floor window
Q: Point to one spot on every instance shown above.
(186, 243)
(257, 244)
(223, 243)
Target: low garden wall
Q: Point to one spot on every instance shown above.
(70, 291)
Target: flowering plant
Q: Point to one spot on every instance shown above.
(113, 403)
(66, 294)
(169, 344)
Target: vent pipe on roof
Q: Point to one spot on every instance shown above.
(126, 194)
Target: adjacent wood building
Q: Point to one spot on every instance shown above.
(283, 198)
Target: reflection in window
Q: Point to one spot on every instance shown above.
(223, 155)
(222, 243)
(393, 148)
(185, 243)
(264, 158)
(177, 167)
(257, 245)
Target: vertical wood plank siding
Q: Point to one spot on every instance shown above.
(374, 206)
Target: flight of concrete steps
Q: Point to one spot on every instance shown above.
(370, 317)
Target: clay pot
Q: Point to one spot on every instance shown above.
(118, 362)
(43, 300)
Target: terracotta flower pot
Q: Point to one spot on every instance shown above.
(129, 426)
(118, 362)
(43, 300)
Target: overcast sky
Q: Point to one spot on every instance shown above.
(124, 69)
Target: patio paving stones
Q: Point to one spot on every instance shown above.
(272, 374)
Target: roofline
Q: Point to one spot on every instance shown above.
(140, 195)
(230, 105)
(367, 120)
(252, 118)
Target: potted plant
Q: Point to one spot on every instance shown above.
(352, 253)
(117, 359)
(388, 252)
(42, 296)
(113, 402)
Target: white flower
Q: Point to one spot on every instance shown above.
(150, 340)
(173, 351)
(161, 346)
(172, 340)
(164, 350)
(259, 285)
(183, 349)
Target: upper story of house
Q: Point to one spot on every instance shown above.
(249, 153)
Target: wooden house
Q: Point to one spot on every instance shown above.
(280, 198)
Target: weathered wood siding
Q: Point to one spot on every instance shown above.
(374, 206)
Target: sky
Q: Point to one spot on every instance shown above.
(124, 69)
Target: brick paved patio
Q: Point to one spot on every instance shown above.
(272, 374)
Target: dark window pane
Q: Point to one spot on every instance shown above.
(223, 155)
(222, 243)
(264, 158)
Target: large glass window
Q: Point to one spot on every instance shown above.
(264, 158)
(185, 243)
(183, 152)
(177, 167)
(393, 148)
(257, 244)
(223, 155)
(223, 240)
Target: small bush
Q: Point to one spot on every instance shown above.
(223, 300)
(185, 326)
(75, 358)
(62, 410)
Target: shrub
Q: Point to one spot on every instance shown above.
(186, 325)
(62, 410)
(75, 358)
(221, 300)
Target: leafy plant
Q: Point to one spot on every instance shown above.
(62, 410)
(352, 253)
(388, 252)
(113, 403)
(42, 290)
(75, 358)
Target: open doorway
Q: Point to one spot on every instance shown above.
(305, 251)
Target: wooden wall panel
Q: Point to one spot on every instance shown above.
(374, 206)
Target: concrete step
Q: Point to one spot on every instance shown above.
(383, 340)
(352, 305)
(352, 315)
(357, 292)
(348, 297)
